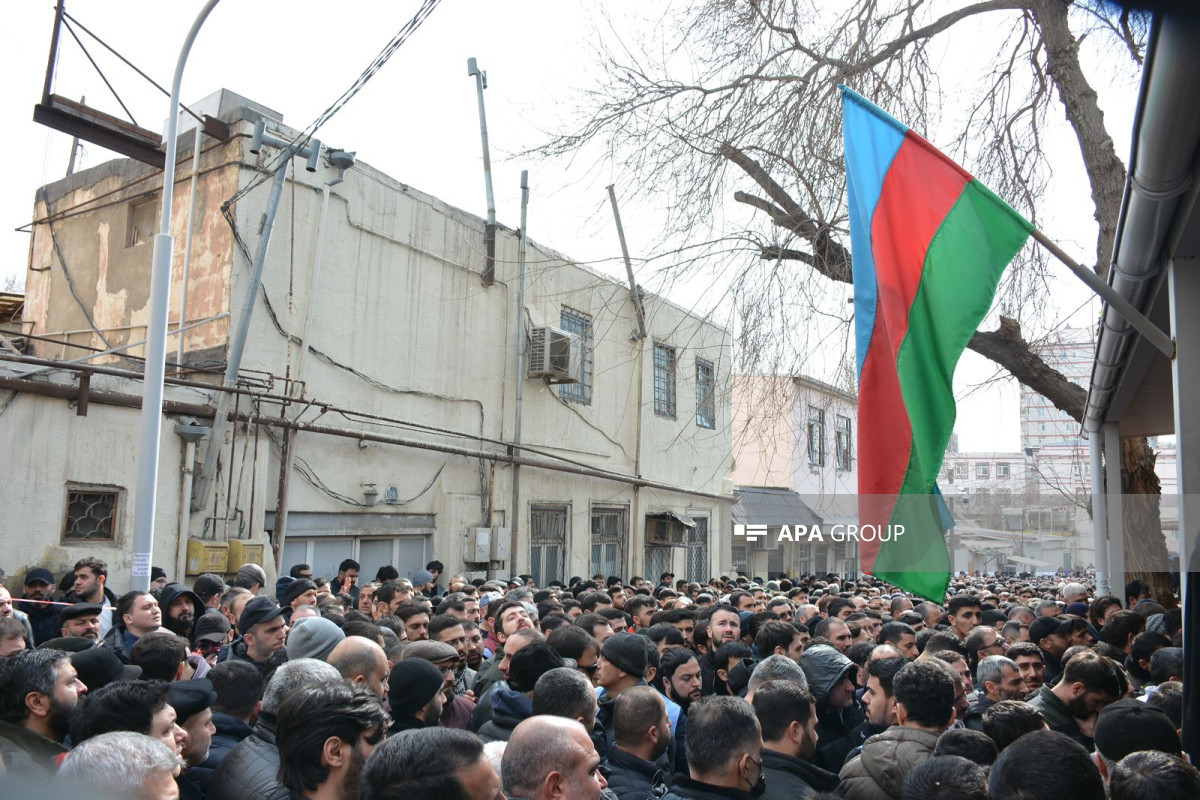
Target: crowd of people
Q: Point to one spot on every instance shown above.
(1012, 688)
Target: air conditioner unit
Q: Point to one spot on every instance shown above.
(665, 531)
(769, 542)
(554, 354)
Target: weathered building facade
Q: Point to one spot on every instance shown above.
(393, 383)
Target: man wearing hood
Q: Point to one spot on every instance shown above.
(415, 695)
(924, 692)
(839, 717)
(181, 608)
(787, 715)
(512, 705)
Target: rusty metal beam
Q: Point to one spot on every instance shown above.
(72, 393)
(99, 128)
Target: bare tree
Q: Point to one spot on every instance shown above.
(752, 85)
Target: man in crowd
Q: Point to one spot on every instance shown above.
(181, 608)
(137, 614)
(724, 752)
(879, 697)
(924, 692)
(787, 715)
(209, 588)
(902, 637)
(1051, 635)
(39, 691)
(448, 629)
(263, 633)
(192, 701)
(346, 579)
(642, 734)
(776, 637)
(830, 678)
(1032, 666)
(325, 736)
(81, 619)
(964, 613)
(36, 601)
(416, 694)
(251, 768)
(551, 758)
(239, 689)
(997, 678)
(120, 765)
(90, 586)
(434, 763)
(361, 662)
(1089, 683)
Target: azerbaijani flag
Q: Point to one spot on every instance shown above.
(929, 244)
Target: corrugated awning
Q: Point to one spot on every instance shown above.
(771, 507)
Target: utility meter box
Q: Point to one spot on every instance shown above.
(243, 551)
(479, 545)
(206, 555)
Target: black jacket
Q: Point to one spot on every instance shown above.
(509, 708)
(42, 618)
(630, 777)
(230, 732)
(980, 703)
(684, 788)
(249, 771)
(791, 778)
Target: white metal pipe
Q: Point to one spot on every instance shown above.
(185, 509)
(150, 437)
(1099, 511)
(187, 245)
(1115, 504)
(515, 513)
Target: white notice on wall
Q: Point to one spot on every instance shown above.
(141, 565)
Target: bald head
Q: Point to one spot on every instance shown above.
(361, 661)
(546, 752)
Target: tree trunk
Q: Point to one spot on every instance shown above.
(1145, 549)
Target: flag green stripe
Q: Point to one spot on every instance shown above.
(962, 269)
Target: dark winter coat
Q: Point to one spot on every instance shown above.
(230, 732)
(791, 778)
(980, 703)
(839, 731)
(508, 709)
(630, 777)
(43, 619)
(684, 788)
(880, 770)
(250, 770)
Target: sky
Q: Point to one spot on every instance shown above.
(417, 120)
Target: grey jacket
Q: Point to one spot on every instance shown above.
(878, 773)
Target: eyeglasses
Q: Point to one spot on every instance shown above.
(590, 669)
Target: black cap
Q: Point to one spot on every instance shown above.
(68, 644)
(212, 626)
(99, 666)
(298, 587)
(39, 575)
(626, 652)
(1042, 627)
(258, 610)
(208, 584)
(78, 610)
(1129, 725)
(189, 698)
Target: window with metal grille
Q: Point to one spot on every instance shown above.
(706, 400)
(664, 380)
(658, 561)
(845, 452)
(739, 556)
(547, 543)
(608, 540)
(580, 324)
(91, 515)
(816, 436)
(697, 551)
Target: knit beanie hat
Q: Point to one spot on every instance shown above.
(1130, 725)
(313, 637)
(412, 684)
(281, 588)
(297, 588)
(626, 652)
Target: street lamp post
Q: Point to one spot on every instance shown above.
(156, 338)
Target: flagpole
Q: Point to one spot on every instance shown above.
(1142, 324)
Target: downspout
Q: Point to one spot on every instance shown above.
(1099, 509)
(343, 161)
(519, 391)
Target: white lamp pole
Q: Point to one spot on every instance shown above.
(156, 339)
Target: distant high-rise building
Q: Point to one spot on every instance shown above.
(1050, 437)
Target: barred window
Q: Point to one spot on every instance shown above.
(706, 401)
(845, 448)
(816, 436)
(91, 515)
(664, 380)
(580, 324)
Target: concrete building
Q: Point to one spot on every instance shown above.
(399, 361)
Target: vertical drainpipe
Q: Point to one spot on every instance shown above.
(515, 514)
(1099, 510)
(187, 250)
(489, 232)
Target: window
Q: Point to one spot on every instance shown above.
(1002, 470)
(580, 324)
(664, 381)
(981, 470)
(706, 401)
(142, 216)
(547, 543)
(816, 436)
(608, 540)
(91, 515)
(697, 551)
(960, 470)
(844, 446)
